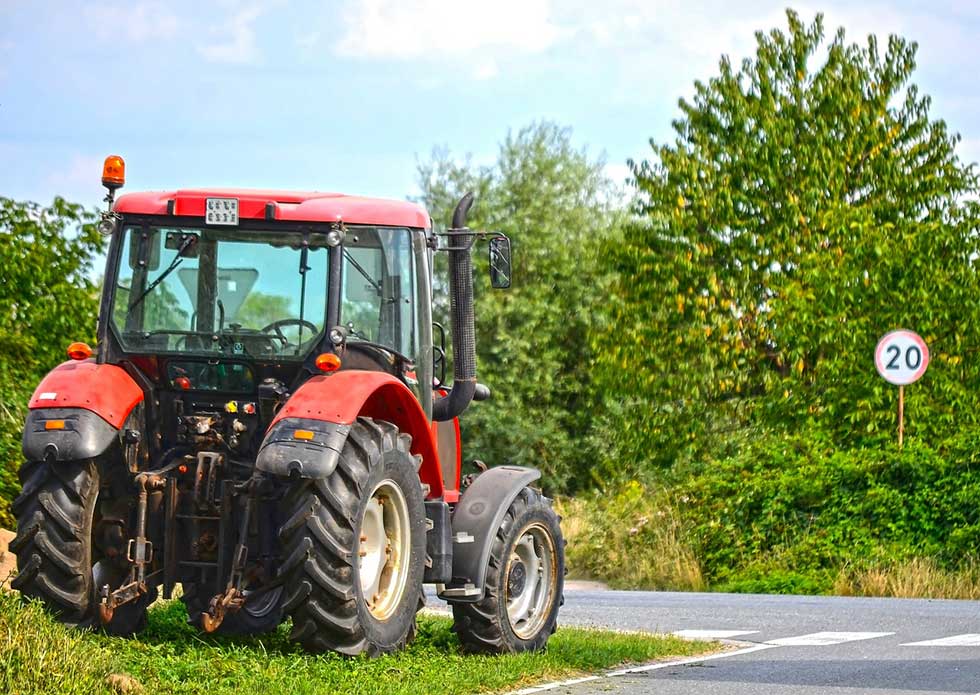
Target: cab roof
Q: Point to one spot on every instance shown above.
(291, 206)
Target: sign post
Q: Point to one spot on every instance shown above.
(901, 358)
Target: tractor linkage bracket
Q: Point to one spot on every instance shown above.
(232, 598)
(139, 553)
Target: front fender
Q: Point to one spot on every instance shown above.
(475, 521)
(327, 406)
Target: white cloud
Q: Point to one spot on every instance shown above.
(446, 28)
(134, 21)
(236, 43)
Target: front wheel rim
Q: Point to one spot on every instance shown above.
(529, 580)
(384, 549)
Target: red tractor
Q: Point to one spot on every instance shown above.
(261, 422)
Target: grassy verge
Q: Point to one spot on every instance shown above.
(629, 540)
(40, 656)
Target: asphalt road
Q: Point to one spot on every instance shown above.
(793, 645)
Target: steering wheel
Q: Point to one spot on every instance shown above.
(276, 326)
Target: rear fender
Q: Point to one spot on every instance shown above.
(77, 411)
(327, 406)
(105, 389)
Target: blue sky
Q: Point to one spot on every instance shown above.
(348, 96)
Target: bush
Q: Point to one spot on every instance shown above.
(791, 514)
(49, 300)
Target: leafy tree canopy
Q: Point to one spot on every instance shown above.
(556, 204)
(808, 204)
(47, 300)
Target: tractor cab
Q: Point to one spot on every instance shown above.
(223, 306)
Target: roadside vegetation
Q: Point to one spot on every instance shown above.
(689, 359)
(41, 656)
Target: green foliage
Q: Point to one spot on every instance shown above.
(787, 514)
(808, 204)
(795, 503)
(41, 656)
(556, 204)
(48, 300)
(260, 310)
(631, 537)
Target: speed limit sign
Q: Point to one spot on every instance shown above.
(901, 357)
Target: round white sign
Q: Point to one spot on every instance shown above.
(901, 357)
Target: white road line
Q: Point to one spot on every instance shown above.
(822, 639)
(556, 684)
(712, 634)
(967, 640)
(544, 687)
(689, 660)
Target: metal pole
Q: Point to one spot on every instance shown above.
(901, 415)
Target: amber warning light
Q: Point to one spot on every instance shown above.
(113, 172)
(79, 351)
(328, 362)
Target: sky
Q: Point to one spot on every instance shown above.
(350, 96)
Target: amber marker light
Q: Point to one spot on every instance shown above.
(113, 172)
(327, 362)
(305, 435)
(79, 351)
(54, 424)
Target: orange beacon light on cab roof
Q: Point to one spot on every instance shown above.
(113, 172)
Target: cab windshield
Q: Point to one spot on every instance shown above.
(258, 294)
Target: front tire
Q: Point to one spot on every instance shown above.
(53, 545)
(354, 547)
(524, 583)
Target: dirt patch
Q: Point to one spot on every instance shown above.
(8, 561)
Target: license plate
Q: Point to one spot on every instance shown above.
(221, 211)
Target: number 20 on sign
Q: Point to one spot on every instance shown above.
(901, 358)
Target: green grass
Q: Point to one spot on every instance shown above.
(40, 656)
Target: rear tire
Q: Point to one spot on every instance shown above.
(524, 583)
(53, 546)
(344, 591)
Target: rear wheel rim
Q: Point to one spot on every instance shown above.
(385, 549)
(529, 580)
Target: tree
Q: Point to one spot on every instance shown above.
(808, 204)
(556, 204)
(49, 299)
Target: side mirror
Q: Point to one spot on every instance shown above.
(500, 265)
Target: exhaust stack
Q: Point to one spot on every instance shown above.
(463, 329)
